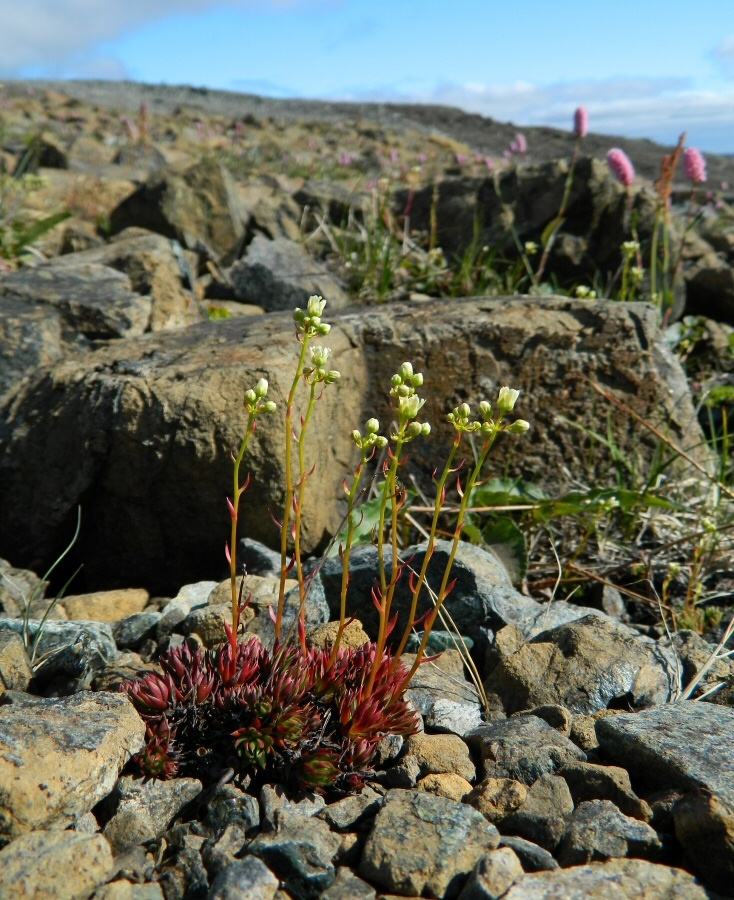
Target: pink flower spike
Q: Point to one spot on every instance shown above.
(694, 165)
(621, 166)
(580, 122)
(521, 144)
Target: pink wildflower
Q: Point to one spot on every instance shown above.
(621, 166)
(694, 165)
(580, 122)
(520, 144)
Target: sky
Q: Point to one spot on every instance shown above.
(642, 69)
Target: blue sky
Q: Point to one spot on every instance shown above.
(642, 69)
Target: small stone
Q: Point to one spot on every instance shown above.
(348, 886)
(587, 781)
(404, 775)
(63, 865)
(59, 757)
(441, 753)
(532, 857)
(599, 831)
(425, 845)
(556, 716)
(351, 813)
(523, 748)
(275, 802)
(494, 874)
(445, 785)
(300, 853)
(228, 805)
(496, 798)
(688, 744)
(704, 824)
(617, 878)
(244, 879)
(544, 815)
(15, 670)
(106, 606)
(353, 636)
(145, 808)
(130, 632)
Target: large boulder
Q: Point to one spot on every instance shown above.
(196, 205)
(140, 431)
(526, 199)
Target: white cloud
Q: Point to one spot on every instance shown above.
(45, 35)
(725, 50)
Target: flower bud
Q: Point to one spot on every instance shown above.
(507, 398)
(320, 355)
(261, 388)
(417, 379)
(372, 426)
(413, 430)
(463, 411)
(405, 371)
(316, 305)
(426, 428)
(357, 438)
(485, 408)
(396, 381)
(380, 442)
(250, 397)
(519, 426)
(332, 376)
(268, 406)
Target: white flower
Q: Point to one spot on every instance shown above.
(507, 398)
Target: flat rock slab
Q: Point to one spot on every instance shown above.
(618, 879)
(689, 744)
(584, 666)
(523, 748)
(423, 845)
(59, 757)
(65, 865)
(148, 423)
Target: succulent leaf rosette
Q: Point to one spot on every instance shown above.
(298, 718)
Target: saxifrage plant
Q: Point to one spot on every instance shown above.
(305, 716)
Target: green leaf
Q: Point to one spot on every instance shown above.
(550, 229)
(24, 237)
(507, 541)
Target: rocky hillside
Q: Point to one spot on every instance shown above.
(153, 245)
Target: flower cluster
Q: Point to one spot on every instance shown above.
(694, 165)
(580, 122)
(291, 716)
(308, 321)
(317, 371)
(403, 390)
(621, 166)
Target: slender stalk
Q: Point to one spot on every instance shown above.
(237, 492)
(289, 488)
(345, 555)
(442, 591)
(440, 497)
(298, 504)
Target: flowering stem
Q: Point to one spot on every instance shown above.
(345, 554)
(238, 491)
(289, 488)
(442, 591)
(298, 507)
(440, 497)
